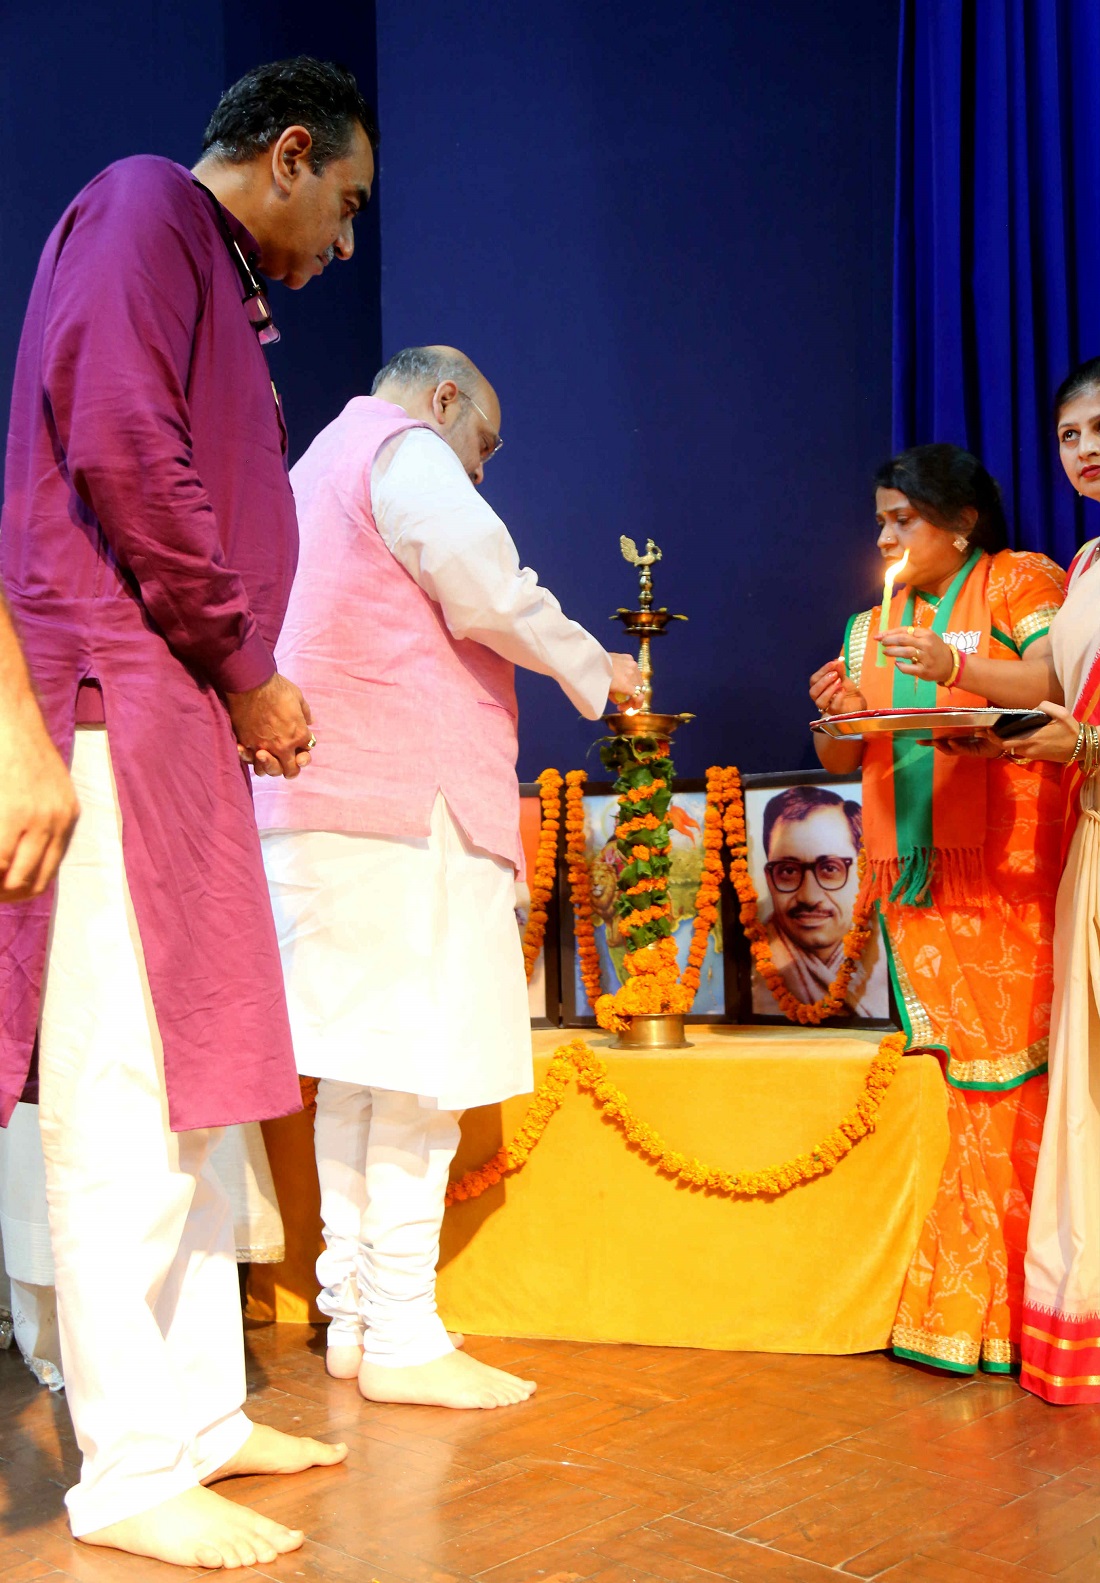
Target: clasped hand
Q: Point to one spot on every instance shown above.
(272, 727)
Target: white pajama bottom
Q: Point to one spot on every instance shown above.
(382, 1161)
(141, 1229)
(408, 1000)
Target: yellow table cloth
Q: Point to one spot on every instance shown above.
(590, 1243)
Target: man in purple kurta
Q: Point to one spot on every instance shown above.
(148, 547)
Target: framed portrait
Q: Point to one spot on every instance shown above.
(718, 999)
(804, 833)
(544, 985)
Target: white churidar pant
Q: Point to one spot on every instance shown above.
(142, 1232)
(408, 999)
(382, 1160)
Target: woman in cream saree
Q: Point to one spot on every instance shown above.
(1061, 1321)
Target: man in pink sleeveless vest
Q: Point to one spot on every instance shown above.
(392, 865)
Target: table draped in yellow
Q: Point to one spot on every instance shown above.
(588, 1242)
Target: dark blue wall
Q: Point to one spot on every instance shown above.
(89, 84)
(664, 233)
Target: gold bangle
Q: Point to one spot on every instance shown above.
(1092, 752)
(955, 662)
(1078, 746)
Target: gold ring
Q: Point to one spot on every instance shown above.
(312, 743)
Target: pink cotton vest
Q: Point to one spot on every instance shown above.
(401, 709)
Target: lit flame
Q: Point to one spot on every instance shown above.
(893, 572)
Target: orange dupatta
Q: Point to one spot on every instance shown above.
(924, 812)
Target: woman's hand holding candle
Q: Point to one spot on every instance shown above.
(919, 652)
(893, 572)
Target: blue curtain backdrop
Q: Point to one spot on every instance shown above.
(997, 239)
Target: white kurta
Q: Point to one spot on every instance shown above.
(402, 962)
(401, 957)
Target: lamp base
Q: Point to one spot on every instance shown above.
(653, 1031)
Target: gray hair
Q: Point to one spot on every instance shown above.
(425, 365)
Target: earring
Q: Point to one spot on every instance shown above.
(959, 542)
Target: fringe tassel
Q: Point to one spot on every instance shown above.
(956, 874)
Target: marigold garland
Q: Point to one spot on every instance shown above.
(579, 1061)
(833, 1003)
(652, 975)
(541, 883)
(644, 779)
(580, 885)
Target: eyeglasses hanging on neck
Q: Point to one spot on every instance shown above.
(255, 302)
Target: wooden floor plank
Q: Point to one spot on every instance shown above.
(629, 1465)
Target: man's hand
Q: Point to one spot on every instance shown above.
(38, 807)
(626, 678)
(833, 693)
(271, 724)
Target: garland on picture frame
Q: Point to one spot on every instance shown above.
(642, 799)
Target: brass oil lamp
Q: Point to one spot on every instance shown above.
(645, 624)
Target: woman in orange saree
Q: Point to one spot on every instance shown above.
(963, 859)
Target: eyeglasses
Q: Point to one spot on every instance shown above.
(497, 441)
(254, 302)
(787, 873)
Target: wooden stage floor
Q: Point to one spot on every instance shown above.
(631, 1465)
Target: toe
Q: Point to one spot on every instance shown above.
(207, 1555)
(285, 1539)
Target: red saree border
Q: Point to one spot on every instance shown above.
(1060, 1356)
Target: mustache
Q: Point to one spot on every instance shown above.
(800, 909)
(329, 253)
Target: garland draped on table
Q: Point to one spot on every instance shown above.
(654, 984)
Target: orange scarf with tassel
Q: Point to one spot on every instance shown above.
(925, 812)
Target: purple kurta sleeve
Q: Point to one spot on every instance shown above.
(124, 302)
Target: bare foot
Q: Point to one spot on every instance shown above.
(270, 1451)
(454, 1380)
(343, 1362)
(199, 1529)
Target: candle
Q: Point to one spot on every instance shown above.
(893, 571)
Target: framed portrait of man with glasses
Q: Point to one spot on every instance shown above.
(804, 837)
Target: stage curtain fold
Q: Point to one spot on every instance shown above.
(997, 239)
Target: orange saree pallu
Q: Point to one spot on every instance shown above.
(964, 858)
